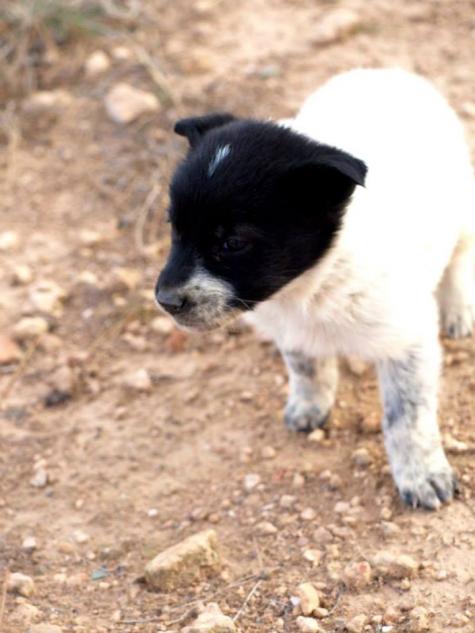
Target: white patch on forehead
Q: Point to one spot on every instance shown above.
(221, 152)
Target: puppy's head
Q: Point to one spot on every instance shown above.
(253, 206)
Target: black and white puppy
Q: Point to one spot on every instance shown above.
(344, 231)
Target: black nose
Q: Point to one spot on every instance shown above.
(171, 300)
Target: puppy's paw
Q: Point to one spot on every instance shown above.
(305, 415)
(457, 322)
(426, 484)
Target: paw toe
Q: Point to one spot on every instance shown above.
(305, 419)
(432, 492)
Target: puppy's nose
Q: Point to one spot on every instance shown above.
(171, 300)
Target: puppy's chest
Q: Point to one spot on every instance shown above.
(347, 321)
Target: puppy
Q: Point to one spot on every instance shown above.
(344, 231)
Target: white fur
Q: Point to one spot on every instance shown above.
(410, 229)
(371, 295)
(221, 152)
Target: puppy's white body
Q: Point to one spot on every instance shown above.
(407, 239)
(372, 295)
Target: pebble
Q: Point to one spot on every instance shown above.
(80, 537)
(251, 481)
(22, 274)
(357, 575)
(397, 566)
(308, 514)
(357, 366)
(268, 452)
(121, 53)
(266, 528)
(45, 101)
(124, 103)
(138, 380)
(356, 624)
(9, 350)
(313, 556)
(21, 584)
(184, 563)
(454, 445)
(390, 529)
(336, 25)
(391, 615)
(96, 64)
(419, 620)
(45, 628)
(361, 457)
(29, 544)
(309, 598)
(30, 327)
(47, 296)
(162, 325)
(317, 436)
(40, 478)
(322, 536)
(342, 507)
(211, 620)
(8, 240)
(287, 501)
(308, 625)
(25, 612)
(130, 277)
(371, 423)
(298, 480)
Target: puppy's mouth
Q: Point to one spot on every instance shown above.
(203, 316)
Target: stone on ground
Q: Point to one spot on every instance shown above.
(185, 563)
(125, 103)
(211, 620)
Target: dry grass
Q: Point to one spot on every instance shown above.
(31, 30)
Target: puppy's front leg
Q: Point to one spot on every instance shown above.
(411, 434)
(312, 388)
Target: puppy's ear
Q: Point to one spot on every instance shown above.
(195, 128)
(331, 177)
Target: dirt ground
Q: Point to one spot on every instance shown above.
(104, 474)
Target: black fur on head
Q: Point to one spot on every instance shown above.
(253, 206)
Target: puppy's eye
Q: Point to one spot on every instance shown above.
(234, 245)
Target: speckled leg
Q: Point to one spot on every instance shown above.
(312, 388)
(409, 387)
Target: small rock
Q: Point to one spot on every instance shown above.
(266, 528)
(390, 529)
(88, 278)
(45, 628)
(308, 514)
(8, 241)
(309, 598)
(357, 366)
(396, 566)
(90, 238)
(184, 563)
(371, 423)
(40, 478)
(391, 615)
(468, 109)
(211, 620)
(124, 103)
(386, 514)
(361, 457)
(335, 26)
(287, 501)
(322, 536)
(268, 452)
(121, 53)
(139, 380)
(308, 625)
(9, 350)
(21, 584)
(130, 277)
(45, 101)
(22, 274)
(454, 445)
(251, 480)
(29, 544)
(47, 296)
(96, 64)
(357, 575)
(342, 507)
(298, 480)
(317, 436)
(162, 325)
(419, 620)
(80, 536)
(356, 624)
(25, 613)
(30, 327)
(313, 556)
